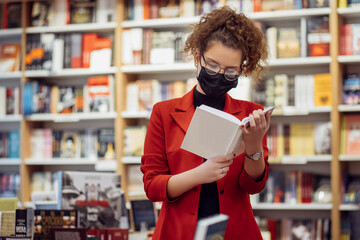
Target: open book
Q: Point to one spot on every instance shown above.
(214, 133)
(212, 227)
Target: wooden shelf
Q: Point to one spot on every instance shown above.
(183, 22)
(106, 165)
(349, 158)
(285, 206)
(349, 108)
(11, 118)
(11, 32)
(292, 111)
(60, 161)
(163, 68)
(10, 161)
(288, 14)
(303, 159)
(78, 72)
(189, 67)
(73, 117)
(349, 207)
(10, 75)
(305, 61)
(349, 59)
(131, 160)
(139, 115)
(349, 12)
(86, 27)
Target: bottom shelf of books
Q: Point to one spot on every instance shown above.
(69, 203)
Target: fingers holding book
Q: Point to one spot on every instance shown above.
(215, 168)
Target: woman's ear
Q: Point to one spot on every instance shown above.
(197, 59)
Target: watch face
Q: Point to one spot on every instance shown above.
(256, 156)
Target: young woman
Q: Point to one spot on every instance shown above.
(225, 45)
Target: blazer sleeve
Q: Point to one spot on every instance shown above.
(246, 182)
(154, 162)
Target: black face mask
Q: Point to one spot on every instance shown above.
(214, 85)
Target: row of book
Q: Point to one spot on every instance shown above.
(350, 134)
(10, 144)
(143, 94)
(59, 13)
(348, 3)
(147, 46)
(9, 100)
(298, 139)
(286, 228)
(349, 226)
(294, 187)
(349, 39)
(53, 224)
(152, 9)
(286, 42)
(9, 57)
(54, 52)
(300, 92)
(9, 184)
(89, 143)
(97, 95)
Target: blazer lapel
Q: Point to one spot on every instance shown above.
(184, 111)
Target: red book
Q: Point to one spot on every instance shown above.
(257, 5)
(5, 17)
(89, 40)
(146, 9)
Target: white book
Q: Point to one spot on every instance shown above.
(132, 97)
(2, 101)
(213, 227)
(214, 133)
(58, 55)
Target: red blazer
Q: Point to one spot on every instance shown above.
(163, 158)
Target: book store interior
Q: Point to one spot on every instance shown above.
(102, 136)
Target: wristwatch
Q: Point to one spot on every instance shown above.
(256, 156)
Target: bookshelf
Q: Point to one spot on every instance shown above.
(26, 165)
(336, 64)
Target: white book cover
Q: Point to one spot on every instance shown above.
(126, 47)
(213, 227)
(214, 133)
(132, 97)
(2, 101)
(58, 55)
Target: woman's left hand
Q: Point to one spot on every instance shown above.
(259, 125)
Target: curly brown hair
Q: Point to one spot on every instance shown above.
(233, 30)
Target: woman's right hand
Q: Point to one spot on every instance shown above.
(215, 168)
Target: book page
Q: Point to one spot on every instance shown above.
(220, 113)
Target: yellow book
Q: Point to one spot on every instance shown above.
(280, 148)
(308, 139)
(322, 89)
(8, 204)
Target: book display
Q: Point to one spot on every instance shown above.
(79, 78)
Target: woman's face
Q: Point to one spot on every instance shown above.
(225, 57)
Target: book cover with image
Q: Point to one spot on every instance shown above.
(96, 196)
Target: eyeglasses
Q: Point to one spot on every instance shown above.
(213, 69)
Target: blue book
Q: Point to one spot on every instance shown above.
(14, 146)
